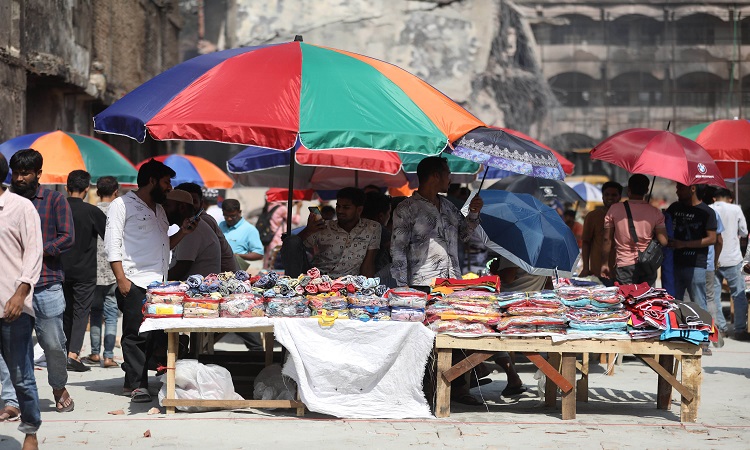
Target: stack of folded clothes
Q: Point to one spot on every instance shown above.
(332, 302)
(464, 311)
(243, 305)
(164, 300)
(531, 313)
(594, 309)
(287, 307)
(407, 305)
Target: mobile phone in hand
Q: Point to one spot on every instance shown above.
(198, 214)
(315, 210)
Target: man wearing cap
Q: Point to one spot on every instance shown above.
(210, 199)
(138, 251)
(199, 252)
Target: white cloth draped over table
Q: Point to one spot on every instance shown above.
(352, 369)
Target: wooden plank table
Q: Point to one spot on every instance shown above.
(560, 367)
(173, 335)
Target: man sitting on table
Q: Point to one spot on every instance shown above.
(242, 236)
(347, 245)
(197, 253)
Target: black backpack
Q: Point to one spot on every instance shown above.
(264, 226)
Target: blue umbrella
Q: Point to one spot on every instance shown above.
(528, 233)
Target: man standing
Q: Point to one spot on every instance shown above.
(729, 266)
(104, 307)
(648, 223)
(347, 245)
(694, 230)
(228, 262)
(21, 261)
(138, 253)
(210, 198)
(79, 265)
(241, 235)
(569, 217)
(427, 228)
(198, 253)
(58, 236)
(593, 231)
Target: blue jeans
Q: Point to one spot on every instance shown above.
(18, 353)
(8, 394)
(104, 306)
(49, 306)
(714, 300)
(693, 280)
(736, 282)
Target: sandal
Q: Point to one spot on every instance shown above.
(10, 414)
(481, 382)
(61, 400)
(515, 390)
(467, 399)
(140, 395)
(91, 360)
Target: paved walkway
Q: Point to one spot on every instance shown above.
(621, 413)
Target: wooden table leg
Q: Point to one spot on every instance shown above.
(664, 389)
(550, 388)
(582, 386)
(172, 344)
(692, 376)
(300, 409)
(443, 397)
(569, 398)
(611, 358)
(268, 342)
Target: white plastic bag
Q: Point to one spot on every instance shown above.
(197, 381)
(270, 384)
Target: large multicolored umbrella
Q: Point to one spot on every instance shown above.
(274, 95)
(494, 147)
(659, 153)
(64, 152)
(728, 143)
(530, 234)
(194, 169)
(335, 169)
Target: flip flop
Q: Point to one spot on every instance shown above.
(482, 381)
(467, 399)
(140, 395)
(10, 414)
(515, 390)
(60, 405)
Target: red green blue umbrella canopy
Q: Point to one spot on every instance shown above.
(194, 169)
(728, 143)
(64, 152)
(274, 95)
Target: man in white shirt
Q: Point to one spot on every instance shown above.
(198, 253)
(138, 251)
(730, 259)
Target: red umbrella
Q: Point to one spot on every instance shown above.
(566, 164)
(728, 143)
(659, 153)
(281, 194)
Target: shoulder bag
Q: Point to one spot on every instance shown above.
(649, 260)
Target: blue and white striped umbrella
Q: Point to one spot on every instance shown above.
(587, 191)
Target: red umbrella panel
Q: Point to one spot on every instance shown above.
(659, 153)
(728, 143)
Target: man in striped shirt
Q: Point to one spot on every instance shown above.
(58, 237)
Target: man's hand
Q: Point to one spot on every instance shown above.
(676, 244)
(746, 268)
(124, 285)
(190, 224)
(314, 224)
(476, 204)
(605, 272)
(14, 307)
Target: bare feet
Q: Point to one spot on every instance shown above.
(30, 443)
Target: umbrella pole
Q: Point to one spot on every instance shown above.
(290, 193)
(486, 169)
(736, 185)
(651, 191)
(356, 179)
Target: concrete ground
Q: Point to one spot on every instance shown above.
(621, 413)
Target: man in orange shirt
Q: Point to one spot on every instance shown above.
(593, 231)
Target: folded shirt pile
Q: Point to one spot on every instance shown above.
(469, 307)
(407, 304)
(243, 305)
(535, 312)
(164, 300)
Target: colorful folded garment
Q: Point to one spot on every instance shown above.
(367, 313)
(243, 305)
(174, 298)
(508, 321)
(405, 296)
(162, 310)
(366, 300)
(287, 307)
(454, 326)
(404, 314)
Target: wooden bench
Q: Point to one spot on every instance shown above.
(560, 367)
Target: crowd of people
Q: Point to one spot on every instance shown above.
(72, 263)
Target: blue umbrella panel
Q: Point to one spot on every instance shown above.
(528, 233)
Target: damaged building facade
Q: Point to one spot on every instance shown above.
(63, 62)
